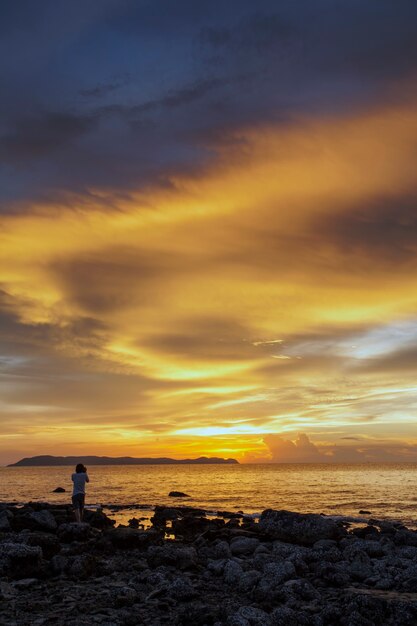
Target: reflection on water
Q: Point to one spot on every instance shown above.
(386, 490)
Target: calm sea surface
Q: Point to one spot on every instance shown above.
(387, 490)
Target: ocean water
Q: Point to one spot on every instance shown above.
(388, 491)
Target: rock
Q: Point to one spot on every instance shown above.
(98, 519)
(180, 557)
(299, 528)
(216, 566)
(7, 591)
(249, 616)
(189, 527)
(365, 512)
(178, 494)
(243, 545)
(221, 550)
(284, 616)
(181, 589)
(248, 581)
(82, 567)
(162, 514)
(67, 533)
(59, 563)
(49, 543)
(25, 583)
(19, 561)
(35, 520)
(59, 490)
(129, 538)
(126, 596)
(5, 518)
(232, 572)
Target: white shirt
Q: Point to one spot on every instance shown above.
(79, 480)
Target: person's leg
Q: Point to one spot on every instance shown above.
(77, 507)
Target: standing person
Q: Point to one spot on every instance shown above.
(79, 478)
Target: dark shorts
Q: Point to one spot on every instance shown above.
(78, 501)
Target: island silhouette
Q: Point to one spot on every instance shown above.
(48, 460)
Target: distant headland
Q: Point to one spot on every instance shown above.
(47, 460)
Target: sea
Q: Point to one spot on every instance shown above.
(384, 491)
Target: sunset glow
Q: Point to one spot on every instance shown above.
(257, 301)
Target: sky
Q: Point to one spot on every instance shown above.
(208, 229)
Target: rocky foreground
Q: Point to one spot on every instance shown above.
(288, 569)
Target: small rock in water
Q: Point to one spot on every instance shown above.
(178, 494)
(365, 512)
(59, 490)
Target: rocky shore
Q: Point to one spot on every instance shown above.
(287, 569)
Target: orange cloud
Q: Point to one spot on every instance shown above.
(233, 302)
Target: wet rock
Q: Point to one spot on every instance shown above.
(299, 528)
(59, 490)
(129, 538)
(163, 514)
(98, 519)
(178, 494)
(19, 561)
(243, 545)
(189, 527)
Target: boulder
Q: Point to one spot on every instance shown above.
(130, 538)
(19, 561)
(98, 519)
(35, 520)
(189, 527)
(232, 572)
(162, 514)
(178, 494)
(243, 545)
(299, 528)
(59, 490)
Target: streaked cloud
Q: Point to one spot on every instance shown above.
(208, 257)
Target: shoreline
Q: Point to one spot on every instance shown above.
(188, 569)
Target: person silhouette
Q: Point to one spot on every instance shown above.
(79, 478)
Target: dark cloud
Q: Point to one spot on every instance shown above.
(384, 231)
(40, 136)
(196, 71)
